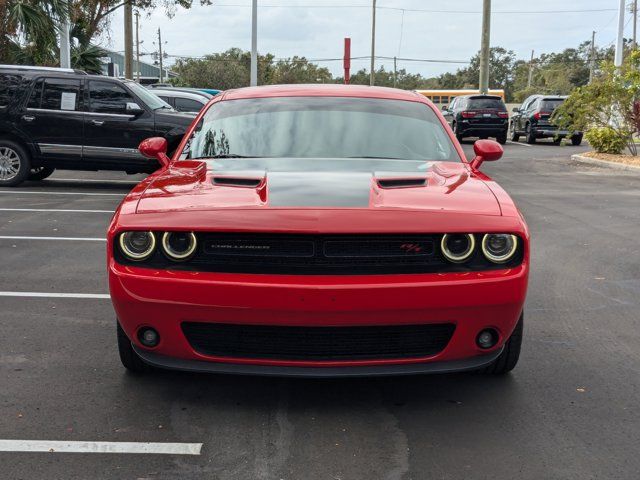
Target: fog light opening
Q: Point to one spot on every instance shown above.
(487, 338)
(148, 337)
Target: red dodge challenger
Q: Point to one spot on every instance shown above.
(322, 230)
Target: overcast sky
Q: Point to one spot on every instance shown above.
(449, 30)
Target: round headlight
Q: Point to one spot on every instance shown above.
(137, 245)
(499, 247)
(179, 245)
(457, 247)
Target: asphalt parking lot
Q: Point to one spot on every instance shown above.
(569, 410)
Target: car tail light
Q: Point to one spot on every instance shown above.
(469, 114)
(539, 115)
(503, 114)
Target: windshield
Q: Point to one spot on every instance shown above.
(150, 99)
(321, 127)
(484, 103)
(549, 105)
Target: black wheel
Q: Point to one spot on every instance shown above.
(459, 136)
(40, 173)
(531, 138)
(128, 356)
(515, 136)
(508, 359)
(576, 140)
(557, 141)
(15, 163)
(501, 138)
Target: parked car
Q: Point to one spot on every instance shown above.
(164, 86)
(533, 120)
(478, 116)
(183, 100)
(60, 118)
(321, 230)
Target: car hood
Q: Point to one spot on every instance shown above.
(441, 186)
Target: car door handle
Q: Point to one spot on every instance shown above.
(97, 123)
(28, 118)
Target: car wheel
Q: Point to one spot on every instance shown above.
(508, 359)
(40, 173)
(514, 135)
(128, 356)
(454, 127)
(531, 138)
(15, 164)
(557, 141)
(576, 140)
(501, 138)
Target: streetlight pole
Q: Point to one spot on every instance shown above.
(128, 40)
(372, 76)
(530, 79)
(137, 14)
(620, 39)
(254, 44)
(160, 55)
(592, 57)
(635, 22)
(65, 44)
(484, 47)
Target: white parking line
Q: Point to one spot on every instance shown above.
(47, 192)
(518, 143)
(71, 239)
(56, 446)
(55, 295)
(93, 180)
(53, 210)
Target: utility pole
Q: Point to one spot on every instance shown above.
(484, 47)
(372, 77)
(395, 71)
(530, 70)
(137, 14)
(160, 53)
(65, 44)
(128, 40)
(620, 39)
(254, 44)
(634, 10)
(592, 57)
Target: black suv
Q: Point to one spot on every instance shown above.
(478, 116)
(532, 119)
(60, 118)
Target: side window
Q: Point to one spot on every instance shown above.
(535, 104)
(60, 94)
(108, 97)
(166, 99)
(8, 85)
(453, 104)
(187, 105)
(36, 95)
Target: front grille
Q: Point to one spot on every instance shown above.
(301, 254)
(317, 343)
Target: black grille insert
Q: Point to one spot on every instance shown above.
(318, 343)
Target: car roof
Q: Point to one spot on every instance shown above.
(480, 95)
(31, 68)
(170, 92)
(323, 90)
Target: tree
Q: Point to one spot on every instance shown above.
(610, 102)
(300, 70)
(384, 78)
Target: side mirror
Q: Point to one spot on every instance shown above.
(515, 109)
(445, 108)
(156, 148)
(486, 151)
(133, 109)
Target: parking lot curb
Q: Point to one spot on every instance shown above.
(605, 163)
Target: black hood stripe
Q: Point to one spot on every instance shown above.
(319, 189)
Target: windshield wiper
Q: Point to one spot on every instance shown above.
(227, 155)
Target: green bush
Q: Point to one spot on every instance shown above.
(606, 140)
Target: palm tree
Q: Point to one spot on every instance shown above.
(28, 30)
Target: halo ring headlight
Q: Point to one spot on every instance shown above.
(452, 255)
(137, 245)
(172, 252)
(499, 247)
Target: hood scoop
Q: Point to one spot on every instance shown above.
(391, 180)
(238, 179)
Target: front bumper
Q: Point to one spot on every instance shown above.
(165, 299)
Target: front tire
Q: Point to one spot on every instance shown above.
(508, 359)
(15, 164)
(40, 173)
(459, 137)
(128, 356)
(502, 138)
(515, 136)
